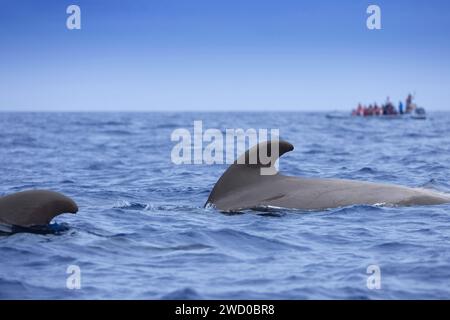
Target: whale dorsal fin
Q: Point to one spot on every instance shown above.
(249, 167)
(34, 207)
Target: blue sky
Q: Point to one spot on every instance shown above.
(221, 55)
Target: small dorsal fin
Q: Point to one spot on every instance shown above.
(247, 168)
(34, 207)
(261, 155)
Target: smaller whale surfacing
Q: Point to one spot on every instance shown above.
(34, 208)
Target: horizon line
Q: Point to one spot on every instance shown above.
(191, 111)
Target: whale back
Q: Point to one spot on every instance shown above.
(242, 186)
(34, 207)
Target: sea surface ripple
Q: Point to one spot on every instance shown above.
(142, 232)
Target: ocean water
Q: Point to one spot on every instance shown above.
(142, 232)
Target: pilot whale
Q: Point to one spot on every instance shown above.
(242, 187)
(34, 207)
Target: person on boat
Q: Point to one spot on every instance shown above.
(410, 106)
(380, 111)
(359, 110)
(388, 101)
(408, 100)
(376, 110)
(355, 112)
(400, 107)
(390, 108)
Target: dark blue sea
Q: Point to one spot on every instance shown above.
(142, 231)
